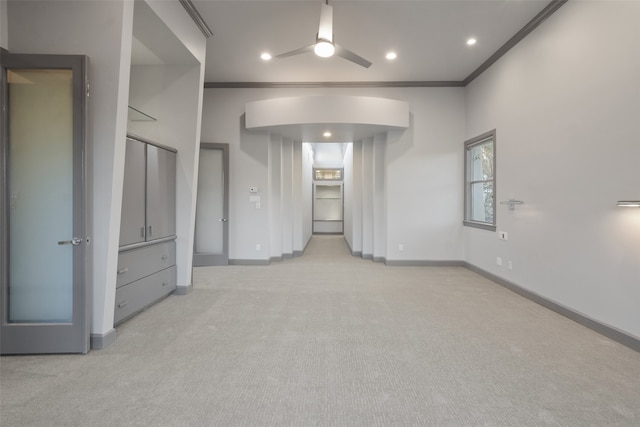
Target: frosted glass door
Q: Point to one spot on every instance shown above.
(210, 247)
(44, 215)
(41, 196)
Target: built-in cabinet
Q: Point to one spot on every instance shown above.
(327, 208)
(147, 257)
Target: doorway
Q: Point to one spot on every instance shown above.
(45, 288)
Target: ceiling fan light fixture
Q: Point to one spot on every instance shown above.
(324, 49)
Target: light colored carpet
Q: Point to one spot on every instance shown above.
(332, 340)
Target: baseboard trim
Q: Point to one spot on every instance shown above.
(183, 290)
(596, 326)
(426, 263)
(102, 341)
(275, 259)
(248, 262)
(367, 256)
(351, 251)
(287, 256)
(380, 259)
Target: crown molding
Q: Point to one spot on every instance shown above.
(545, 13)
(355, 84)
(196, 17)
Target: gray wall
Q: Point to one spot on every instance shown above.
(566, 106)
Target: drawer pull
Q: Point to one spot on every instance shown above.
(164, 257)
(165, 283)
(122, 304)
(123, 270)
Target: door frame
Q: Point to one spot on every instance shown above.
(201, 260)
(40, 338)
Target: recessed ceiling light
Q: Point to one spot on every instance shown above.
(326, 134)
(265, 56)
(471, 41)
(391, 55)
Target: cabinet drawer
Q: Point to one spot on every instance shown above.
(135, 296)
(141, 262)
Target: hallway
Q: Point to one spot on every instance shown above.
(328, 339)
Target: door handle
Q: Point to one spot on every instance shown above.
(223, 220)
(75, 241)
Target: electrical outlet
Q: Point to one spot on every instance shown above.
(509, 265)
(499, 261)
(401, 247)
(257, 205)
(257, 246)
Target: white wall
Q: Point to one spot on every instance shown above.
(348, 195)
(425, 179)
(368, 179)
(273, 199)
(356, 199)
(565, 103)
(306, 197)
(423, 170)
(287, 196)
(379, 188)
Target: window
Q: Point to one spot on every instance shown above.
(480, 181)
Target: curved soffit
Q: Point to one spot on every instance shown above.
(348, 118)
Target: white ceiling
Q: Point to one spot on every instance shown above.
(428, 35)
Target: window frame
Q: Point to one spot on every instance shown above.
(468, 145)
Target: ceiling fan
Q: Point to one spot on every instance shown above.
(324, 45)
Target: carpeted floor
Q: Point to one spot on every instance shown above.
(332, 340)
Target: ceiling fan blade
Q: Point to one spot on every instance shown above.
(297, 51)
(350, 56)
(325, 30)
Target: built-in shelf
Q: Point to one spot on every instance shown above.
(327, 208)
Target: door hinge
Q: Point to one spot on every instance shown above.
(88, 90)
